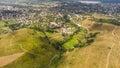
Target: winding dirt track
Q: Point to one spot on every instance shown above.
(11, 40)
(27, 51)
(4, 60)
(8, 59)
(108, 56)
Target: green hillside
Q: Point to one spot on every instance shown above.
(38, 52)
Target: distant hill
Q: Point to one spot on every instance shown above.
(26, 1)
(41, 1)
(107, 1)
(111, 1)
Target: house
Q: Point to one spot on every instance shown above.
(53, 25)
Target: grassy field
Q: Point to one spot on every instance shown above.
(75, 40)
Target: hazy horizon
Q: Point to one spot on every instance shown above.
(22, 1)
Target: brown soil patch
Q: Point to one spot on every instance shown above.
(8, 59)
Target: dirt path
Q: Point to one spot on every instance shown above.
(27, 51)
(11, 40)
(8, 59)
(108, 56)
(51, 61)
(87, 59)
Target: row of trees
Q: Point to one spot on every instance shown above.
(110, 21)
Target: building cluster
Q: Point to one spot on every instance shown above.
(81, 8)
(56, 16)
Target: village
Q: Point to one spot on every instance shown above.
(58, 18)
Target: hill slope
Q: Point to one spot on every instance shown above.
(103, 53)
(38, 52)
